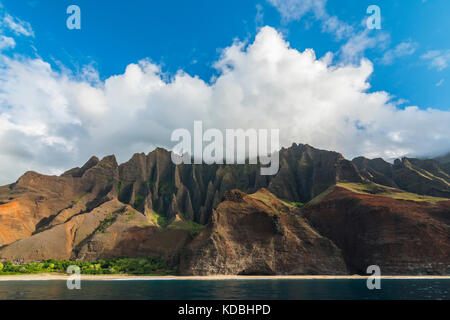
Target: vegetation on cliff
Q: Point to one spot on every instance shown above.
(379, 190)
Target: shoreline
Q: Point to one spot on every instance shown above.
(56, 276)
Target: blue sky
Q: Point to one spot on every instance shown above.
(139, 69)
(189, 35)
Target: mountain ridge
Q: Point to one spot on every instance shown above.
(148, 206)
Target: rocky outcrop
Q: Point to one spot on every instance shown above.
(376, 170)
(36, 202)
(305, 172)
(401, 236)
(444, 163)
(32, 201)
(131, 234)
(422, 177)
(59, 241)
(154, 183)
(259, 234)
(427, 177)
(110, 230)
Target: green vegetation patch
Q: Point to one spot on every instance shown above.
(138, 200)
(106, 223)
(188, 225)
(297, 204)
(130, 215)
(379, 190)
(370, 188)
(267, 200)
(136, 266)
(165, 190)
(159, 219)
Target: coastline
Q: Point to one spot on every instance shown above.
(56, 276)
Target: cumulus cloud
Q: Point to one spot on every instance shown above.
(438, 59)
(51, 121)
(405, 48)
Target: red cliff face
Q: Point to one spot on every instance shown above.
(400, 236)
(34, 198)
(259, 234)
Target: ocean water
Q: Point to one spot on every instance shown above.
(335, 289)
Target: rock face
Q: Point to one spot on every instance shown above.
(59, 241)
(150, 207)
(31, 201)
(428, 177)
(152, 183)
(78, 216)
(400, 236)
(305, 172)
(110, 230)
(259, 234)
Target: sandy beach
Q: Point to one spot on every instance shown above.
(55, 276)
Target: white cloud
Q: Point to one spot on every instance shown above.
(438, 59)
(259, 18)
(358, 39)
(6, 43)
(353, 50)
(405, 48)
(336, 26)
(291, 10)
(297, 9)
(16, 25)
(440, 82)
(51, 121)
(13, 25)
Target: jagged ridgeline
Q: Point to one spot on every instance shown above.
(294, 222)
(152, 184)
(156, 187)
